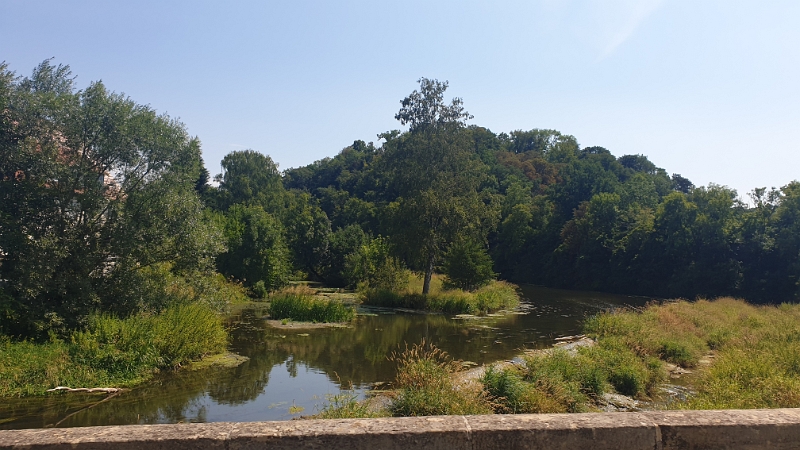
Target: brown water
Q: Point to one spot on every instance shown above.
(291, 372)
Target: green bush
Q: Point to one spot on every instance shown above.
(467, 265)
(507, 391)
(677, 352)
(178, 335)
(496, 296)
(299, 303)
(372, 267)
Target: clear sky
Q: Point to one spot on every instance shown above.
(709, 89)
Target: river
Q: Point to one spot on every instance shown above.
(292, 372)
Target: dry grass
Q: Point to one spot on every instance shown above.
(757, 363)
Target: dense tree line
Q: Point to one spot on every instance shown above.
(103, 201)
(553, 213)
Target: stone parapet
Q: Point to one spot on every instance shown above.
(662, 430)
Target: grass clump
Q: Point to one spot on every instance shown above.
(426, 388)
(510, 393)
(495, 296)
(346, 405)
(299, 303)
(112, 351)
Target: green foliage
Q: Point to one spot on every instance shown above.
(425, 385)
(552, 212)
(496, 296)
(94, 187)
(433, 180)
(372, 267)
(257, 254)
(251, 178)
(111, 351)
(308, 233)
(467, 265)
(755, 365)
(298, 303)
(174, 337)
(511, 395)
(346, 405)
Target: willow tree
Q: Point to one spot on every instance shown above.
(95, 191)
(433, 179)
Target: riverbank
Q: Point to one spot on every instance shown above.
(735, 355)
(112, 352)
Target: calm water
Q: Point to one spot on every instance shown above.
(291, 372)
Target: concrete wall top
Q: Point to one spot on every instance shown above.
(731, 429)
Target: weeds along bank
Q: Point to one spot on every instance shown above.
(755, 364)
(756, 349)
(113, 352)
(122, 352)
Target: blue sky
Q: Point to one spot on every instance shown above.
(708, 89)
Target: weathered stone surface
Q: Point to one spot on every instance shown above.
(730, 429)
(563, 431)
(156, 437)
(372, 434)
(741, 429)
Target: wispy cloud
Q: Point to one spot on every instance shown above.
(637, 11)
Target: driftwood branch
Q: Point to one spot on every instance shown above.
(112, 392)
(107, 390)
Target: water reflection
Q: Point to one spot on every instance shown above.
(291, 371)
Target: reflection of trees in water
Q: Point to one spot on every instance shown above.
(358, 354)
(247, 381)
(171, 398)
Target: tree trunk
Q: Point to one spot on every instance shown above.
(426, 285)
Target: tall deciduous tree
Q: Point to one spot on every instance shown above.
(94, 187)
(434, 177)
(257, 253)
(251, 178)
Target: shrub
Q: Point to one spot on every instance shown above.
(178, 335)
(467, 265)
(373, 267)
(495, 296)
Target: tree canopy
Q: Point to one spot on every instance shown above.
(95, 188)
